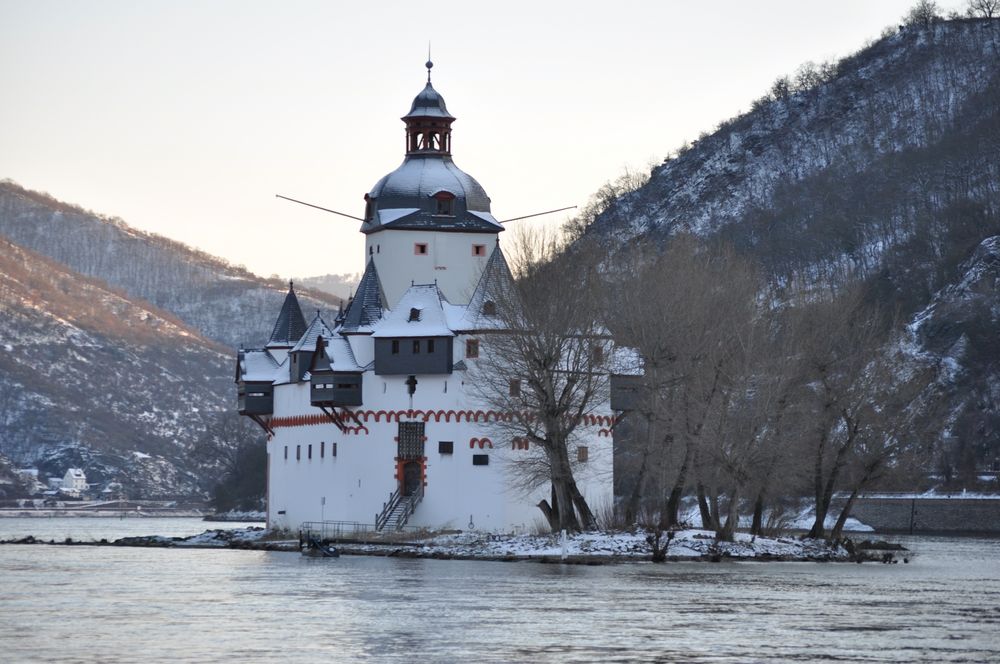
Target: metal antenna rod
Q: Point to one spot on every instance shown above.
(538, 214)
(349, 216)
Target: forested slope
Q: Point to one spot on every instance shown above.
(225, 303)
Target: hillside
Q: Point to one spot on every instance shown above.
(883, 168)
(225, 303)
(91, 378)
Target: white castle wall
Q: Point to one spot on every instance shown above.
(361, 477)
(449, 261)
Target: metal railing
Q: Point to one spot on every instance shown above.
(387, 508)
(328, 531)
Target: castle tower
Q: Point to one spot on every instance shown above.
(429, 221)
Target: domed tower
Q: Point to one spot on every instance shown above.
(429, 221)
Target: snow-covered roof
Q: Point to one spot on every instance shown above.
(257, 366)
(75, 473)
(337, 356)
(420, 313)
(626, 361)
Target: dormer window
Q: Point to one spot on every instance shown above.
(489, 308)
(445, 203)
(414, 315)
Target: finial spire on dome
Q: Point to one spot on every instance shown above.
(429, 64)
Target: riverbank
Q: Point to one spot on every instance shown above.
(581, 548)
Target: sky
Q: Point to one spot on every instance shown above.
(185, 118)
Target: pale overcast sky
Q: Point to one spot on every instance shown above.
(186, 118)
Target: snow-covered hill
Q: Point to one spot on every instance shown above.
(225, 303)
(883, 167)
(90, 378)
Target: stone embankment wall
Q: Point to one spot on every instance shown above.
(929, 515)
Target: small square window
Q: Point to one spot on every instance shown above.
(446, 447)
(515, 387)
(582, 454)
(395, 346)
(489, 308)
(472, 348)
(420, 248)
(480, 459)
(479, 250)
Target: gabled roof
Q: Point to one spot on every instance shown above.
(367, 306)
(420, 313)
(291, 324)
(496, 285)
(317, 328)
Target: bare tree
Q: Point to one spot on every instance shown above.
(845, 370)
(923, 14)
(680, 312)
(545, 361)
(983, 8)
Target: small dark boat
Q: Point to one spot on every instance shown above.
(317, 549)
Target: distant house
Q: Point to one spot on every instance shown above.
(74, 482)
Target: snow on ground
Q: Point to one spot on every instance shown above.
(622, 546)
(686, 544)
(804, 521)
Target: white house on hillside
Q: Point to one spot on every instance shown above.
(74, 482)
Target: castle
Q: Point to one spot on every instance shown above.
(370, 419)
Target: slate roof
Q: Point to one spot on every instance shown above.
(367, 306)
(308, 340)
(291, 324)
(428, 104)
(405, 198)
(496, 284)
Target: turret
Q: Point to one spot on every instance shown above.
(429, 221)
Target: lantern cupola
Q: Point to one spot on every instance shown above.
(428, 124)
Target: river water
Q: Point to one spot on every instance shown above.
(91, 604)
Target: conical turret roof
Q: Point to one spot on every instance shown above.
(366, 307)
(291, 324)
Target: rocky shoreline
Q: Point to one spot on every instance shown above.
(592, 548)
